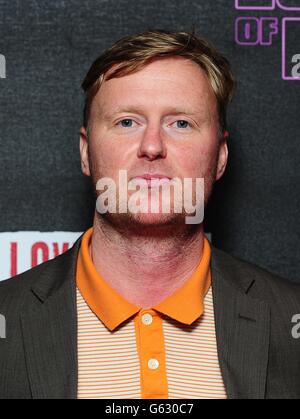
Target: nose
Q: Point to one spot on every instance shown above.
(152, 145)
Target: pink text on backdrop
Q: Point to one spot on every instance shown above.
(287, 5)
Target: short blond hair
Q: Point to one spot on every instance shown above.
(132, 53)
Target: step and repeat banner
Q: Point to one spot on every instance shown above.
(46, 48)
(26, 249)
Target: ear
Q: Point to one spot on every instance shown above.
(84, 144)
(223, 156)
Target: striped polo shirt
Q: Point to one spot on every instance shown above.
(168, 351)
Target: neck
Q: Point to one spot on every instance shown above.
(146, 266)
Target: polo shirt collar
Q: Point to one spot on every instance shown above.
(185, 305)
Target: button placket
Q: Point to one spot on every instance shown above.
(152, 355)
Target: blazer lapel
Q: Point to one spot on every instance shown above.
(242, 329)
(49, 325)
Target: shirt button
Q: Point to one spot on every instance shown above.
(153, 364)
(147, 319)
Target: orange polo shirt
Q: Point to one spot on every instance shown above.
(168, 351)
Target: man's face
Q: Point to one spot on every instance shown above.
(163, 120)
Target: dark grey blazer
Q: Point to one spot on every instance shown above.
(258, 356)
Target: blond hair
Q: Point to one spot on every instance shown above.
(132, 53)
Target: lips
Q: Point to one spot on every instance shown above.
(154, 178)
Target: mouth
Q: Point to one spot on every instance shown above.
(154, 179)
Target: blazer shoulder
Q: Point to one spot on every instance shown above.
(16, 289)
(265, 282)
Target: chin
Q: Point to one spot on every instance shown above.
(140, 222)
(148, 219)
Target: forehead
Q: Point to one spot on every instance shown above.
(174, 81)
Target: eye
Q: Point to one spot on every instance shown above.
(182, 123)
(126, 123)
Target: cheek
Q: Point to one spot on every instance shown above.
(106, 159)
(197, 160)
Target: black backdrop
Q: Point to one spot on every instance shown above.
(50, 44)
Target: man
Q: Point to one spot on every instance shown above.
(142, 306)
